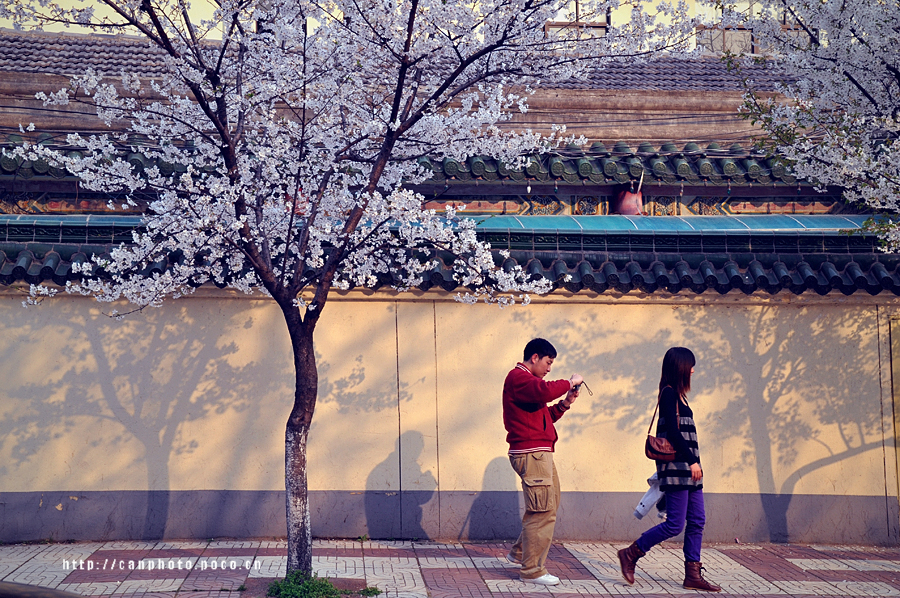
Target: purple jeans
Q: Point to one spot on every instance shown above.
(681, 506)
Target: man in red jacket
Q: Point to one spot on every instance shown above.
(532, 439)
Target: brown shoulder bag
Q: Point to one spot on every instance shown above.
(660, 449)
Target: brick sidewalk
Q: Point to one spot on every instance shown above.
(243, 569)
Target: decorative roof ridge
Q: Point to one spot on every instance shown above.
(590, 272)
(563, 233)
(596, 165)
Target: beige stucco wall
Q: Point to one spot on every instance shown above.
(791, 395)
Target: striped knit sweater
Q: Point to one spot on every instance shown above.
(675, 475)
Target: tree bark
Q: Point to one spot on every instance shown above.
(299, 531)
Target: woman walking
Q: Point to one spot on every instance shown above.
(681, 479)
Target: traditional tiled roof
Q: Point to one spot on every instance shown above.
(68, 54)
(621, 163)
(702, 74)
(580, 254)
(64, 54)
(594, 165)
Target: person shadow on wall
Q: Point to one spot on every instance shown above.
(495, 512)
(397, 491)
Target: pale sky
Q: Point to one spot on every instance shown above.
(200, 9)
(203, 9)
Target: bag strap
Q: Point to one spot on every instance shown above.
(677, 414)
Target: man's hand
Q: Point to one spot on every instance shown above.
(573, 393)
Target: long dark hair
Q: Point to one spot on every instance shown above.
(676, 370)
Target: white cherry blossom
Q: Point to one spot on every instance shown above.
(838, 119)
(281, 154)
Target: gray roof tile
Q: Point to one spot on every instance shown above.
(68, 54)
(820, 260)
(63, 54)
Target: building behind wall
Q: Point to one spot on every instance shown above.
(170, 424)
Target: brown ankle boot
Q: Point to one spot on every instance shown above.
(628, 557)
(693, 578)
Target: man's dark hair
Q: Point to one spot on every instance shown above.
(542, 347)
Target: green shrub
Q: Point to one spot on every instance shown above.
(301, 585)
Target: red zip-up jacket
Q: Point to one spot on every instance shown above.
(526, 417)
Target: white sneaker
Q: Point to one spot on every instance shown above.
(544, 580)
(512, 559)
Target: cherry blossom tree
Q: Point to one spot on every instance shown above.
(284, 136)
(838, 119)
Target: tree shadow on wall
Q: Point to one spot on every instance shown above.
(773, 379)
(620, 360)
(351, 393)
(783, 372)
(141, 379)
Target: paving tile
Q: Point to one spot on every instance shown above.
(507, 573)
(227, 553)
(232, 544)
(95, 588)
(793, 551)
(598, 559)
(463, 562)
(438, 546)
(150, 585)
(565, 565)
(488, 549)
(347, 567)
(121, 554)
(13, 557)
(400, 583)
(162, 568)
(380, 565)
(176, 569)
(225, 563)
(79, 577)
(430, 552)
(47, 575)
(375, 545)
(281, 544)
(461, 583)
(213, 584)
(175, 552)
(767, 565)
(846, 564)
(351, 552)
(593, 587)
(183, 545)
(523, 592)
(156, 575)
(318, 543)
(130, 545)
(408, 553)
(500, 562)
(269, 566)
(887, 577)
(850, 588)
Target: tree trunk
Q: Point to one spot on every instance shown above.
(299, 531)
